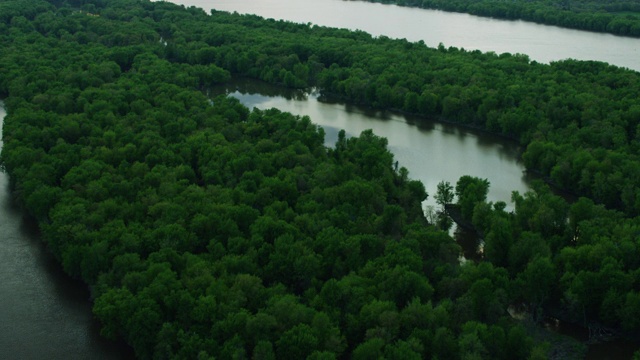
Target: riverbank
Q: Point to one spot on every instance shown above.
(199, 220)
(410, 138)
(615, 18)
(435, 117)
(44, 314)
(542, 43)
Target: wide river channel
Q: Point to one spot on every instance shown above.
(542, 43)
(45, 315)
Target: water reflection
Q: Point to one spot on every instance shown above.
(472, 246)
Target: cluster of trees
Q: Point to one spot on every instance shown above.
(620, 17)
(577, 260)
(206, 230)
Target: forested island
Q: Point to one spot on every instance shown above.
(208, 230)
(619, 17)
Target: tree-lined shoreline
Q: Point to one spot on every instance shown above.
(613, 17)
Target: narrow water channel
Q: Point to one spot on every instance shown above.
(432, 151)
(43, 313)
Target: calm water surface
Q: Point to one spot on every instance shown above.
(542, 43)
(431, 151)
(43, 314)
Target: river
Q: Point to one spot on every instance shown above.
(43, 313)
(542, 43)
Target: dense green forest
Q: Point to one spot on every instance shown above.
(207, 230)
(619, 17)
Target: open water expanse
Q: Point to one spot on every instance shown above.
(542, 43)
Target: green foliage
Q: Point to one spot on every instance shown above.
(471, 191)
(206, 229)
(444, 193)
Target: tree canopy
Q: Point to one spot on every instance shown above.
(206, 229)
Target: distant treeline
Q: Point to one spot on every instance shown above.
(619, 17)
(208, 230)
